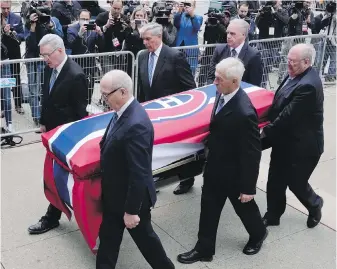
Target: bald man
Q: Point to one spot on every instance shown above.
(238, 47)
(128, 191)
(295, 134)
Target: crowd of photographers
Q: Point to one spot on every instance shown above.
(88, 28)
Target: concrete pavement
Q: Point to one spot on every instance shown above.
(175, 218)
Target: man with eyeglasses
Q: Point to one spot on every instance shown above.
(33, 34)
(128, 190)
(82, 40)
(295, 134)
(64, 100)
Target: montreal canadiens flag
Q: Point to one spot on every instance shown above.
(180, 121)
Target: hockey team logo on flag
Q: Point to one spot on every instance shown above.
(178, 106)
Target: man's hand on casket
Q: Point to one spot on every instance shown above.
(131, 221)
(43, 128)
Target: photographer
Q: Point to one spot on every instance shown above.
(308, 18)
(162, 14)
(188, 25)
(13, 27)
(82, 40)
(38, 25)
(329, 22)
(133, 41)
(66, 12)
(272, 20)
(93, 7)
(6, 102)
(116, 28)
(243, 14)
(296, 19)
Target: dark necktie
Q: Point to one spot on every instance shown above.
(233, 53)
(52, 79)
(221, 103)
(113, 122)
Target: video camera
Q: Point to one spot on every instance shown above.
(331, 7)
(267, 7)
(217, 12)
(162, 11)
(37, 7)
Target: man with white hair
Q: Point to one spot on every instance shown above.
(232, 165)
(64, 99)
(295, 134)
(128, 190)
(165, 71)
(238, 47)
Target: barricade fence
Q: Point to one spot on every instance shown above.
(273, 53)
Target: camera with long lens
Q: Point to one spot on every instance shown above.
(162, 11)
(267, 7)
(217, 12)
(37, 7)
(331, 7)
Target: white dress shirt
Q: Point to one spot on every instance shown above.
(238, 49)
(60, 66)
(229, 96)
(124, 107)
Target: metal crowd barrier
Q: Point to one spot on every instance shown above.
(94, 66)
(273, 52)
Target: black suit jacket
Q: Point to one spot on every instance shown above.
(172, 74)
(68, 99)
(250, 57)
(126, 162)
(296, 117)
(234, 145)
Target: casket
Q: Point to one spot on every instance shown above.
(181, 122)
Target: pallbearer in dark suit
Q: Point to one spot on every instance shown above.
(296, 137)
(232, 165)
(64, 100)
(164, 71)
(237, 46)
(128, 191)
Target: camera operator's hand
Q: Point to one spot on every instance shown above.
(82, 30)
(294, 16)
(133, 24)
(190, 11)
(33, 19)
(98, 30)
(308, 20)
(181, 8)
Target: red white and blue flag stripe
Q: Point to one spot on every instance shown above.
(180, 121)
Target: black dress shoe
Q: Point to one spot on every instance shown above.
(192, 257)
(44, 225)
(181, 189)
(315, 217)
(253, 248)
(270, 221)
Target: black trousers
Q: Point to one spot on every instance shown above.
(294, 174)
(189, 171)
(213, 199)
(53, 213)
(148, 242)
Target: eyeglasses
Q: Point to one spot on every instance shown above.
(106, 95)
(47, 55)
